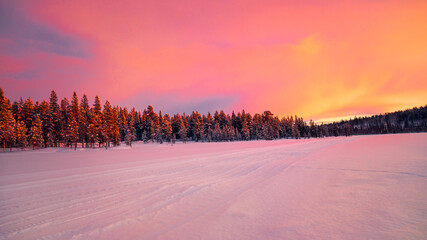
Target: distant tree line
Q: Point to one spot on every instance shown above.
(78, 123)
(407, 121)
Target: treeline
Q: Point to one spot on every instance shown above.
(407, 121)
(78, 123)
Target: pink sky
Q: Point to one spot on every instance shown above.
(311, 58)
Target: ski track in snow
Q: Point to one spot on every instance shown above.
(363, 187)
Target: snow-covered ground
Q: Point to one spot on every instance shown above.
(364, 187)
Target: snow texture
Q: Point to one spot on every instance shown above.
(363, 187)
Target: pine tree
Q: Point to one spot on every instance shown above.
(54, 128)
(150, 116)
(73, 131)
(217, 132)
(97, 105)
(325, 131)
(44, 114)
(335, 130)
(183, 132)
(158, 128)
(245, 131)
(267, 125)
(7, 122)
(75, 112)
(94, 129)
(28, 112)
(123, 123)
(132, 123)
(144, 136)
(209, 127)
(107, 123)
(114, 131)
(257, 130)
(167, 129)
(295, 131)
(97, 121)
(196, 126)
(83, 120)
(128, 137)
(75, 105)
(130, 129)
(36, 134)
(313, 129)
(20, 134)
(231, 133)
(63, 122)
(158, 132)
(150, 130)
(17, 108)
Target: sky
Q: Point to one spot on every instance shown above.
(316, 59)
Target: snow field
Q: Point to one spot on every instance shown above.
(363, 187)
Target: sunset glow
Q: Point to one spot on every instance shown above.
(315, 59)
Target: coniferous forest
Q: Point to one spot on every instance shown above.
(81, 123)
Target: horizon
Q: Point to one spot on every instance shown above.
(157, 110)
(315, 60)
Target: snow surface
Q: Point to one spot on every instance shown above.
(363, 187)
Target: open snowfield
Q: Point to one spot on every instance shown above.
(363, 187)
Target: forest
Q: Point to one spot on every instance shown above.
(77, 123)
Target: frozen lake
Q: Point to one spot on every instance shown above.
(362, 187)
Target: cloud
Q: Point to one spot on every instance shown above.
(305, 58)
(27, 34)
